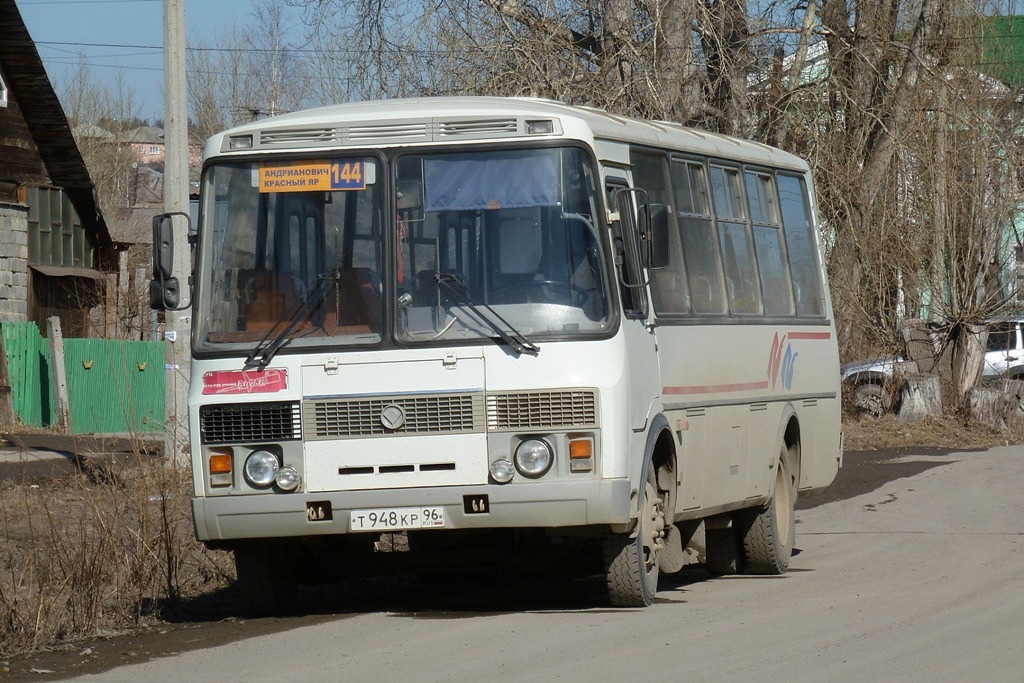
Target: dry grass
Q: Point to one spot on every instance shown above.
(98, 552)
(868, 433)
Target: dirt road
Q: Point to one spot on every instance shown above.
(921, 579)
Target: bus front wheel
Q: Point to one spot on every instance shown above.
(631, 560)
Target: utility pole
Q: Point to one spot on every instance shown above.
(178, 330)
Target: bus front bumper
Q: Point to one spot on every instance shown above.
(519, 505)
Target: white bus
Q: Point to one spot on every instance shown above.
(504, 331)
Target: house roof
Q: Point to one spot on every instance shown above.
(146, 135)
(30, 87)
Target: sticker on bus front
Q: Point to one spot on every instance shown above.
(314, 175)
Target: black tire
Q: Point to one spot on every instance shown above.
(631, 560)
(768, 539)
(872, 398)
(267, 580)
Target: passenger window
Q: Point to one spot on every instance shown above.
(800, 246)
(725, 187)
(697, 238)
(771, 254)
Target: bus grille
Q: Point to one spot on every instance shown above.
(249, 422)
(542, 410)
(336, 418)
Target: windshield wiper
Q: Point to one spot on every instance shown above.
(517, 341)
(266, 349)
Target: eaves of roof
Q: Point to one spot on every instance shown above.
(29, 85)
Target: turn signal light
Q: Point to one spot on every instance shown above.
(220, 468)
(581, 454)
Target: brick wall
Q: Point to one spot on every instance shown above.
(13, 262)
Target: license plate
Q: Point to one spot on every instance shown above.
(396, 519)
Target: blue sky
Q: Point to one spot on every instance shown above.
(121, 37)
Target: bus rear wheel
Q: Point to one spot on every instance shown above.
(768, 539)
(631, 560)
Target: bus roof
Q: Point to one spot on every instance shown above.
(474, 119)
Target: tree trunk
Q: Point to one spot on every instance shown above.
(1000, 405)
(922, 397)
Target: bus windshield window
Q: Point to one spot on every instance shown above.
(291, 242)
(516, 229)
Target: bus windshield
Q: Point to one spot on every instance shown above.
(507, 235)
(480, 242)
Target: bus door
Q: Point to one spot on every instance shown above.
(637, 321)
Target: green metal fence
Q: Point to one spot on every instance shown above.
(113, 386)
(28, 367)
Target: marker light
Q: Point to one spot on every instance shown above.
(540, 127)
(533, 458)
(240, 142)
(261, 468)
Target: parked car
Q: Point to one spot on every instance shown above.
(1005, 355)
(873, 386)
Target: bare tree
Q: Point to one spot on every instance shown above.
(252, 72)
(909, 143)
(100, 116)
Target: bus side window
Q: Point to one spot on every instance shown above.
(741, 275)
(698, 238)
(769, 244)
(798, 227)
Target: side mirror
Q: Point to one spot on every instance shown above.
(164, 288)
(163, 246)
(164, 294)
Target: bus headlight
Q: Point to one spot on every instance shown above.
(533, 458)
(260, 468)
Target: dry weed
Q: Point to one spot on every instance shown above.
(98, 552)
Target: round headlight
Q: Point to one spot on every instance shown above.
(261, 468)
(502, 470)
(287, 478)
(533, 458)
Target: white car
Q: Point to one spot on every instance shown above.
(1005, 355)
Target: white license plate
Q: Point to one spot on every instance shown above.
(396, 519)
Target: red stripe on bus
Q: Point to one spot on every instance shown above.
(810, 335)
(715, 388)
